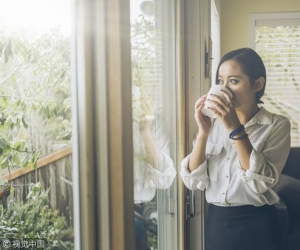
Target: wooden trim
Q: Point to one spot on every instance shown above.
(120, 160)
(181, 120)
(40, 163)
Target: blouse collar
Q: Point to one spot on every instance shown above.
(263, 116)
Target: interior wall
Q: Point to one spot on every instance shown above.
(235, 19)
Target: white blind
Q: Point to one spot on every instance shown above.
(279, 46)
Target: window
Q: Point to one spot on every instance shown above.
(154, 122)
(277, 40)
(36, 188)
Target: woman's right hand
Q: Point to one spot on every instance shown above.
(203, 121)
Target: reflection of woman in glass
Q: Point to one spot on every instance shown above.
(153, 167)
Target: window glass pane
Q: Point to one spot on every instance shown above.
(35, 118)
(154, 130)
(279, 47)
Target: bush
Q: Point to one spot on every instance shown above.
(35, 220)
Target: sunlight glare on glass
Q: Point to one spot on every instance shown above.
(36, 15)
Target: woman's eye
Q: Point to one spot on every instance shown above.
(233, 81)
(219, 81)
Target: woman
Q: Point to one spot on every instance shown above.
(238, 157)
(153, 166)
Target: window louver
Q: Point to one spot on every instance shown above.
(279, 47)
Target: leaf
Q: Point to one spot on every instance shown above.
(18, 145)
(4, 163)
(4, 143)
(24, 121)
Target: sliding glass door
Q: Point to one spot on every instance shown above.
(130, 122)
(154, 107)
(93, 109)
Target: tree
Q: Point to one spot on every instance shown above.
(35, 95)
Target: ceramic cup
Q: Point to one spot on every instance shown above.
(147, 7)
(215, 90)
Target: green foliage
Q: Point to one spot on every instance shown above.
(152, 240)
(35, 95)
(143, 53)
(34, 220)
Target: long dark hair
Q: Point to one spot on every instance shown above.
(251, 64)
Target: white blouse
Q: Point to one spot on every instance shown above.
(147, 178)
(226, 183)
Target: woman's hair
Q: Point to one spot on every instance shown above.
(251, 64)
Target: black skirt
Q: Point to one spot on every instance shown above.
(243, 228)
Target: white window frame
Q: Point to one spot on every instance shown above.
(267, 17)
(270, 19)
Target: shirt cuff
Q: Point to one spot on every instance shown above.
(257, 162)
(197, 179)
(249, 175)
(163, 179)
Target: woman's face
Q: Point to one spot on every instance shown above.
(232, 77)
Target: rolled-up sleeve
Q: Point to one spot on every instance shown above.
(163, 179)
(197, 179)
(267, 165)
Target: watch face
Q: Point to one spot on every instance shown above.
(147, 7)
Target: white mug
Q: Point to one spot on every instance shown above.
(215, 90)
